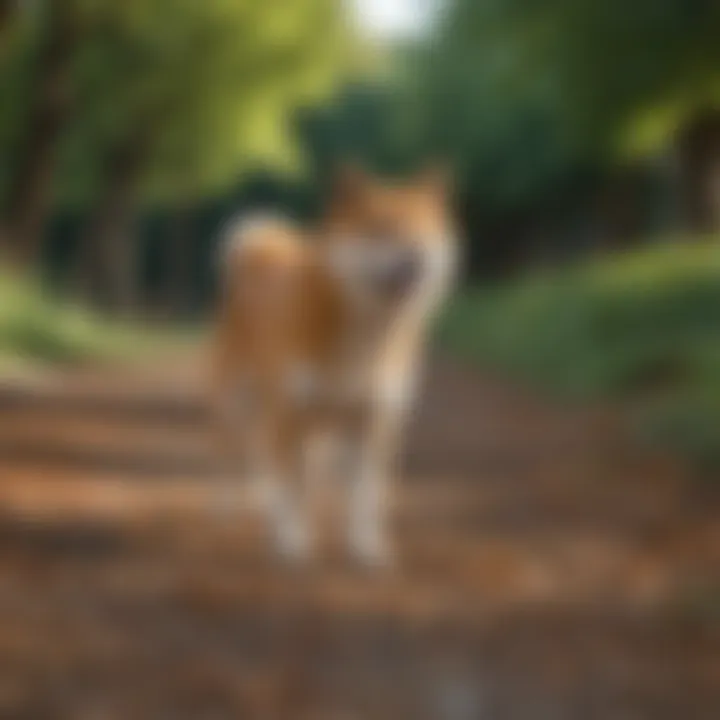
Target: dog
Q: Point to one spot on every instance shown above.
(322, 333)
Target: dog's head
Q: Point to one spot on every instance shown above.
(392, 245)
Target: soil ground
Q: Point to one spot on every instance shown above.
(549, 569)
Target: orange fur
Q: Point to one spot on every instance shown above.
(321, 332)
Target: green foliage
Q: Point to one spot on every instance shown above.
(366, 121)
(524, 95)
(599, 66)
(206, 88)
(36, 326)
(643, 326)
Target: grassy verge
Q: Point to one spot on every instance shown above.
(37, 327)
(644, 326)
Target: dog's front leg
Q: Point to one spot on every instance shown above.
(287, 494)
(375, 446)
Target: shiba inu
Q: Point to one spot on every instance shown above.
(322, 333)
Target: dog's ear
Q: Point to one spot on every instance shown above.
(437, 178)
(350, 183)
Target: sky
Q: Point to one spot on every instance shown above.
(393, 18)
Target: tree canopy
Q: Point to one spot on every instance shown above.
(200, 90)
(520, 91)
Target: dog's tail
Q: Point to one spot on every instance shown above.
(245, 238)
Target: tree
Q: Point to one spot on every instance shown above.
(113, 107)
(47, 111)
(614, 79)
(108, 106)
(193, 102)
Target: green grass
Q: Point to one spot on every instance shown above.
(35, 326)
(644, 326)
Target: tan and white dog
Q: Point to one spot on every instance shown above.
(323, 333)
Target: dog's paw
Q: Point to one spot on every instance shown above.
(372, 549)
(293, 541)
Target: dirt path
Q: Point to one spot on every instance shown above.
(549, 570)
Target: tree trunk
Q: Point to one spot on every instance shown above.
(49, 109)
(8, 9)
(620, 212)
(698, 155)
(107, 264)
(178, 294)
